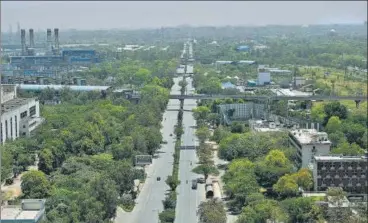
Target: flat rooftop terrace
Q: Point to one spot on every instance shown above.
(14, 104)
(308, 136)
(16, 213)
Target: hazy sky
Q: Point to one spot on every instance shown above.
(140, 14)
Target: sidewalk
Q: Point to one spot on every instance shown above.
(230, 218)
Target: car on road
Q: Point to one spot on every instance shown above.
(194, 184)
(201, 180)
(158, 178)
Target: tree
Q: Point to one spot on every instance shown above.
(206, 170)
(46, 159)
(286, 186)
(201, 113)
(262, 211)
(237, 127)
(105, 191)
(35, 185)
(167, 215)
(302, 209)
(272, 167)
(203, 133)
(240, 182)
(212, 211)
(347, 149)
(333, 124)
(172, 182)
(124, 150)
(220, 133)
(335, 109)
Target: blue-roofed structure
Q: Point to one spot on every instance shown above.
(35, 87)
(227, 85)
(242, 48)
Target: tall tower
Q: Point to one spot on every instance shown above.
(31, 38)
(56, 36)
(23, 41)
(48, 41)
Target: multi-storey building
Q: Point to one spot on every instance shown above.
(308, 143)
(347, 172)
(19, 116)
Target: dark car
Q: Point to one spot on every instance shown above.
(194, 184)
(158, 178)
(201, 180)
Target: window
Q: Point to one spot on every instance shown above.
(6, 129)
(32, 110)
(11, 128)
(23, 114)
(16, 126)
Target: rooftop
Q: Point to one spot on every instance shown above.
(309, 136)
(340, 158)
(35, 87)
(31, 209)
(14, 103)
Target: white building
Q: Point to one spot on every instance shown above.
(264, 76)
(19, 116)
(309, 143)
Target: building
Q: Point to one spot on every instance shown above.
(265, 126)
(19, 116)
(309, 143)
(241, 112)
(264, 76)
(30, 211)
(347, 172)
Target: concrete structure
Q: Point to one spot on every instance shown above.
(299, 81)
(347, 172)
(264, 78)
(266, 126)
(244, 111)
(228, 85)
(30, 211)
(19, 116)
(35, 87)
(309, 143)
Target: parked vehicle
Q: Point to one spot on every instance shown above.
(201, 180)
(194, 184)
(158, 178)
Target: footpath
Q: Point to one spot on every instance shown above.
(230, 217)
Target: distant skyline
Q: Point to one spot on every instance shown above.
(140, 14)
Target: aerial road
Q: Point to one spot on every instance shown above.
(188, 198)
(149, 200)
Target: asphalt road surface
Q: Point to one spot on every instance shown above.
(188, 198)
(149, 201)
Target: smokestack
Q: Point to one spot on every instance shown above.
(31, 38)
(56, 36)
(23, 41)
(49, 40)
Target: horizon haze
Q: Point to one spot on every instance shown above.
(140, 14)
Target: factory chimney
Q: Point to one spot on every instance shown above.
(31, 38)
(56, 36)
(23, 41)
(49, 44)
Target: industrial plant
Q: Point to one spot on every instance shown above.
(31, 65)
